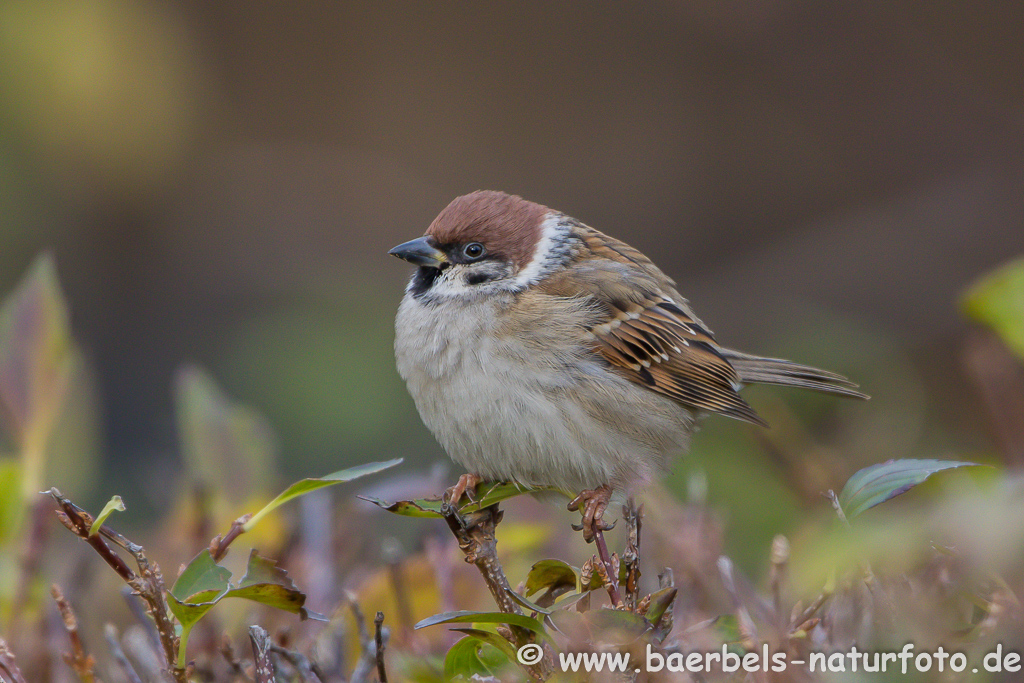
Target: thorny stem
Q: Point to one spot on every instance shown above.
(147, 584)
(476, 536)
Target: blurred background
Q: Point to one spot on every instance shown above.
(219, 184)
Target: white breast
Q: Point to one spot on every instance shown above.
(527, 401)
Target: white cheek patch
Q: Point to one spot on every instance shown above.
(451, 283)
(550, 250)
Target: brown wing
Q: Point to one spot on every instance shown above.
(645, 329)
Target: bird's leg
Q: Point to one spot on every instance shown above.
(594, 503)
(465, 485)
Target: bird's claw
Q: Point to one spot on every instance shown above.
(466, 485)
(594, 504)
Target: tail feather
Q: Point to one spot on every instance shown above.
(757, 370)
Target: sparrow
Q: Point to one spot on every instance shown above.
(541, 351)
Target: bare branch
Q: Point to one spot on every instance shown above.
(113, 642)
(78, 522)
(261, 653)
(631, 555)
(148, 583)
(227, 651)
(607, 571)
(77, 659)
(476, 536)
(219, 545)
(367, 659)
(306, 667)
(8, 668)
(379, 638)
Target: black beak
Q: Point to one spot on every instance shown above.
(421, 252)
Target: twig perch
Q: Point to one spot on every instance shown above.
(475, 533)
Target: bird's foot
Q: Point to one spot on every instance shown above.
(594, 504)
(465, 485)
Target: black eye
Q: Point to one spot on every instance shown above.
(473, 250)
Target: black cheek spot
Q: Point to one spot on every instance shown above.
(478, 278)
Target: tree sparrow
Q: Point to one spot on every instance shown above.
(541, 351)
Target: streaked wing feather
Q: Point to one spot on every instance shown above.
(674, 356)
(645, 329)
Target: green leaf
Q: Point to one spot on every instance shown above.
(550, 574)
(660, 602)
(486, 494)
(200, 577)
(526, 604)
(204, 583)
(878, 483)
(463, 617)
(426, 507)
(201, 586)
(115, 504)
(266, 583)
(997, 300)
(306, 485)
(491, 638)
(471, 658)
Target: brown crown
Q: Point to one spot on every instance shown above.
(507, 225)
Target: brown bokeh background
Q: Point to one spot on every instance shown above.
(220, 181)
